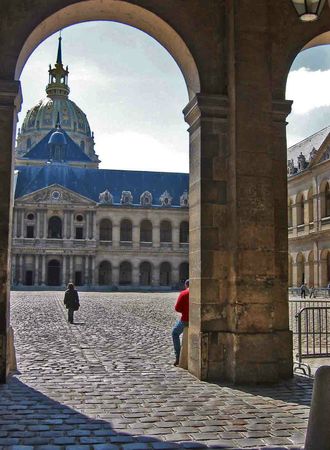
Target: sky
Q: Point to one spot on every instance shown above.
(130, 88)
(133, 94)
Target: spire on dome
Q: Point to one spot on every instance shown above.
(58, 76)
(59, 51)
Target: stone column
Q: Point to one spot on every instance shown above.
(36, 270)
(136, 236)
(115, 275)
(115, 235)
(43, 270)
(176, 237)
(72, 235)
(45, 231)
(64, 268)
(22, 233)
(175, 276)
(86, 281)
(65, 225)
(135, 275)
(15, 224)
(21, 268)
(37, 222)
(93, 279)
(155, 275)
(93, 225)
(10, 103)
(71, 277)
(156, 236)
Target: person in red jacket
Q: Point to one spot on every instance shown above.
(181, 306)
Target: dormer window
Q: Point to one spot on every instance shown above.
(165, 199)
(146, 199)
(184, 200)
(126, 198)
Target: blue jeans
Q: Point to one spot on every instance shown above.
(176, 333)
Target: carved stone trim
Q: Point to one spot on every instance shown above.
(281, 109)
(206, 107)
(10, 94)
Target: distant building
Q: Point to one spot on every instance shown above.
(309, 210)
(75, 222)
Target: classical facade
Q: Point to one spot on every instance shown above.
(309, 210)
(110, 229)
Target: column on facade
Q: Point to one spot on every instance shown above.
(307, 270)
(175, 275)
(135, 274)
(156, 274)
(316, 210)
(21, 268)
(64, 268)
(72, 234)
(317, 282)
(65, 225)
(15, 223)
(156, 235)
(93, 232)
(294, 271)
(136, 235)
(86, 280)
(71, 268)
(22, 233)
(115, 274)
(43, 270)
(45, 225)
(115, 235)
(36, 270)
(176, 236)
(13, 270)
(87, 225)
(92, 277)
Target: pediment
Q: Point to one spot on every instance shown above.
(55, 195)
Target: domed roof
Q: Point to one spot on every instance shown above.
(57, 138)
(43, 116)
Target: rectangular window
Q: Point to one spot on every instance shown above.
(79, 233)
(30, 231)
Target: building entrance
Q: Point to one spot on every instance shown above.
(53, 273)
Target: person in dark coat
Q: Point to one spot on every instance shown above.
(71, 301)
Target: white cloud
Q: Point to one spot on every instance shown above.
(308, 89)
(136, 151)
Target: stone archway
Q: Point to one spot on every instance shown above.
(235, 58)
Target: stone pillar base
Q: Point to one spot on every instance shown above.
(241, 358)
(11, 354)
(183, 363)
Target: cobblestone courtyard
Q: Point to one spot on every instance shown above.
(107, 382)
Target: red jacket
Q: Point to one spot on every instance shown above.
(182, 305)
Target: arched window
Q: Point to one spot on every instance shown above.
(146, 231)
(126, 231)
(125, 273)
(105, 273)
(165, 231)
(165, 274)
(300, 210)
(105, 230)
(184, 232)
(145, 274)
(290, 221)
(183, 272)
(55, 228)
(327, 200)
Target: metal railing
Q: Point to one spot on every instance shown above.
(318, 292)
(312, 335)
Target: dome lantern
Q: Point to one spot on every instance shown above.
(58, 76)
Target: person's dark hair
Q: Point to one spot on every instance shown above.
(71, 286)
(186, 283)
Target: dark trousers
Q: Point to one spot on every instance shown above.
(70, 315)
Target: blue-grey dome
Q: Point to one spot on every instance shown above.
(57, 138)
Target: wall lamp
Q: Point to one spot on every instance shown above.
(308, 10)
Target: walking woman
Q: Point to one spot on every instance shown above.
(71, 301)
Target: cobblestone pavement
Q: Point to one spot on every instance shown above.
(108, 383)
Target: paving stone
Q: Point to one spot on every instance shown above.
(115, 385)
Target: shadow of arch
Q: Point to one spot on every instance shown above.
(117, 11)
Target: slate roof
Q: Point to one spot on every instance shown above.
(40, 151)
(91, 182)
(307, 145)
